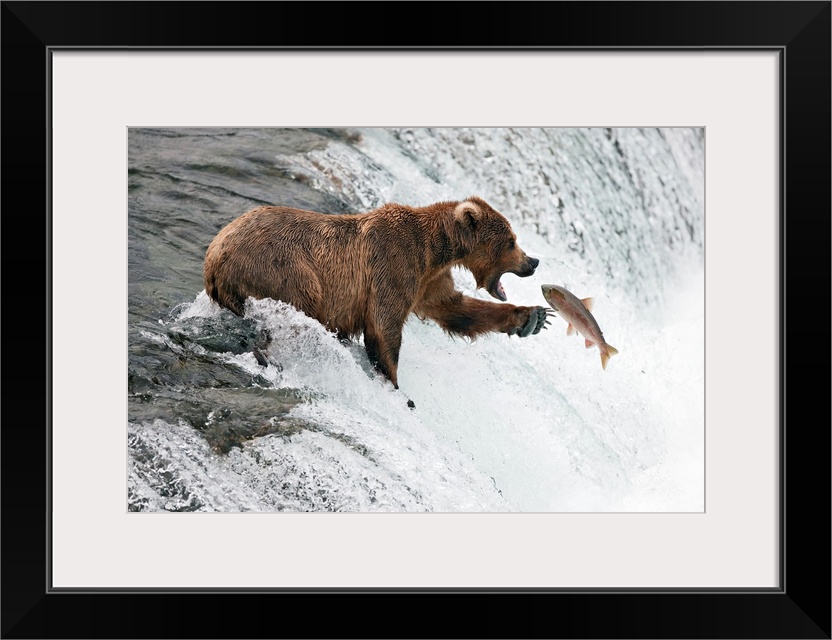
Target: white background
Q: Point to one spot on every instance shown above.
(97, 96)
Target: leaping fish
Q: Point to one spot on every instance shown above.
(577, 313)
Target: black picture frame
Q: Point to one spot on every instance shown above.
(799, 608)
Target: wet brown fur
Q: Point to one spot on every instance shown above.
(366, 273)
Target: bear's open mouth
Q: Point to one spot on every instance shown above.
(496, 289)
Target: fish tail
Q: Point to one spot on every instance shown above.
(606, 354)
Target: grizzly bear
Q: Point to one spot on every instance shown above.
(366, 273)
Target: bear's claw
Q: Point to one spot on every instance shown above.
(536, 322)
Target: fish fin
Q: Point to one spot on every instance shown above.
(589, 303)
(607, 354)
(589, 344)
(570, 330)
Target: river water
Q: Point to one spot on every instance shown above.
(501, 424)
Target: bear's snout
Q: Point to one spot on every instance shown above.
(528, 267)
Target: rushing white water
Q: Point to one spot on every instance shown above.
(500, 424)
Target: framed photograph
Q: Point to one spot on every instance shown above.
(662, 160)
(286, 402)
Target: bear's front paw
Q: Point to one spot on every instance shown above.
(535, 321)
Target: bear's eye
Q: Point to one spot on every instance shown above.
(511, 245)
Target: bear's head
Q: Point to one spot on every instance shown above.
(490, 246)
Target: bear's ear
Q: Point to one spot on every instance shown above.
(467, 214)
